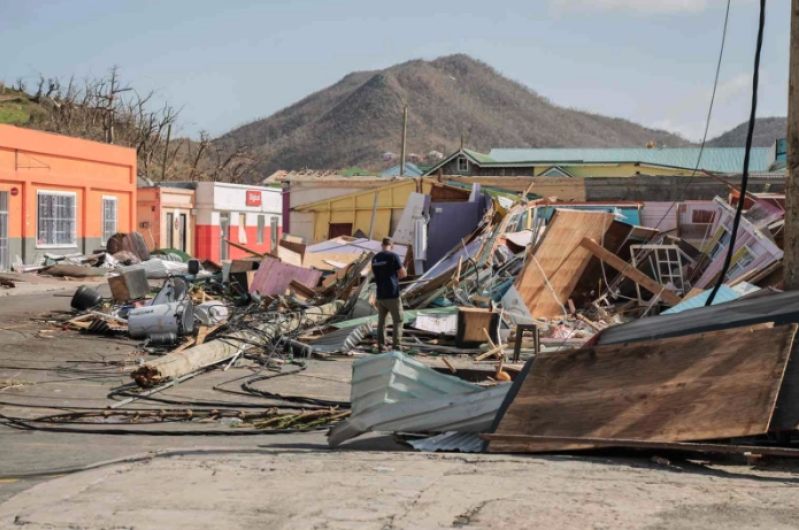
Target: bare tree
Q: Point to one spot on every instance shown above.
(107, 110)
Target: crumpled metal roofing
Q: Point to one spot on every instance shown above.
(464, 442)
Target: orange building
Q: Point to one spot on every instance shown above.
(61, 195)
(166, 216)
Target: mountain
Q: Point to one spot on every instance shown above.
(767, 130)
(356, 120)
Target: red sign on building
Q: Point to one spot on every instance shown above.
(253, 198)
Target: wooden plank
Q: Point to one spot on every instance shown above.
(532, 441)
(697, 387)
(556, 265)
(185, 345)
(302, 290)
(204, 331)
(245, 249)
(273, 277)
(630, 272)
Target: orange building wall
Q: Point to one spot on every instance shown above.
(153, 204)
(33, 161)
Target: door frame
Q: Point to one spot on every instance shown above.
(5, 259)
(224, 233)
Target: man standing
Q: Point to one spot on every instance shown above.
(387, 269)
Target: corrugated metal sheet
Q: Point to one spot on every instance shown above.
(342, 340)
(723, 159)
(780, 308)
(393, 377)
(473, 412)
(464, 442)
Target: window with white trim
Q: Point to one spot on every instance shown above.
(744, 260)
(109, 218)
(57, 219)
(463, 163)
(721, 243)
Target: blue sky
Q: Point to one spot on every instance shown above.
(227, 63)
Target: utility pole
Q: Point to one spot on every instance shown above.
(791, 259)
(404, 141)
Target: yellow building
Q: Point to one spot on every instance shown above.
(348, 214)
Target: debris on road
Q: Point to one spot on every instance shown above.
(541, 326)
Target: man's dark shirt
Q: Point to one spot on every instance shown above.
(385, 266)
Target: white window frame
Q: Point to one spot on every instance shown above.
(466, 162)
(735, 268)
(74, 243)
(717, 246)
(115, 200)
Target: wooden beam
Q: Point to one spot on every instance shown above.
(245, 249)
(532, 440)
(630, 272)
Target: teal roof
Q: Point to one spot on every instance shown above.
(720, 159)
(411, 170)
(480, 157)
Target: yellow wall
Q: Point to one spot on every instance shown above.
(620, 170)
(357, 209)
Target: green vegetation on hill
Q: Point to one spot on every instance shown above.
(16, 108)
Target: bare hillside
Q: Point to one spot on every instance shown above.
(767, 130)
(356, 120)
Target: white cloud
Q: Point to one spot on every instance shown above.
(634, 6)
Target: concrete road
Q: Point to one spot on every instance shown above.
(381, 491)
(47, 370)
(54, 480)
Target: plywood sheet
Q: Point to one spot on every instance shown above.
(273, 277)
(406, 228)
(319, 260)
(557, 264)
(697, 387)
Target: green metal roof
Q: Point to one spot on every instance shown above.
(721, 159)
(480, 157)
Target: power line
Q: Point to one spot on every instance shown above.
(750, 132)
(709, 114)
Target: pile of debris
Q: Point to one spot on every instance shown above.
(624, 352)
(529, 325)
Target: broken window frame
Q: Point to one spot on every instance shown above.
(736, 268)
(719, 243)
(645, 253)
